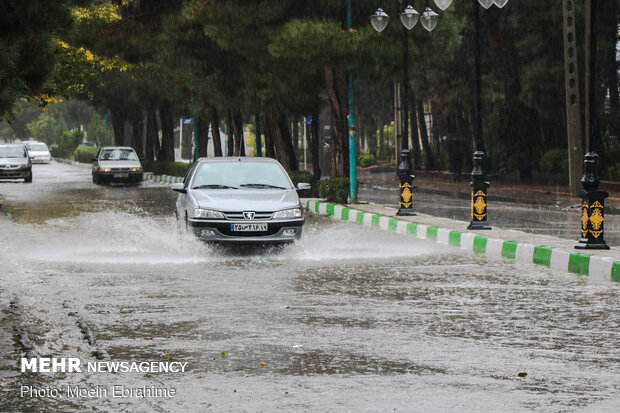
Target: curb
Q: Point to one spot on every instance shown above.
(560, 259)
(148, 176)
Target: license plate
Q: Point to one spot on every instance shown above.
(248, 227)
(120, 175)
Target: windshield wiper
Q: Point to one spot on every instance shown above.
(214, 186)
(261, 186)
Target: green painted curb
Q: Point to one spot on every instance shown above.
(542, 256)
(579, 264)
(509, 249)
(480, 244)
(455, 238)
(431, 233)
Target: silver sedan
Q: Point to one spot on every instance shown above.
(240, 200)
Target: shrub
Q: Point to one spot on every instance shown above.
(166, 168)
(366, 159)
(69, 141)
(55, 151)
(305, 176)
(85, 154)
(335, 190)
(554, 160)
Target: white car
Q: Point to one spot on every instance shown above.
(38, 152)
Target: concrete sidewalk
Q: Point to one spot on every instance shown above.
(545, 250)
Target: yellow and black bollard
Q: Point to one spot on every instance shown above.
(592, 207)
(405, 178)
(478, 194)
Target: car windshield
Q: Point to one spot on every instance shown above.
(12, 152)
(234, 175)
(37, 147)
(118, 155)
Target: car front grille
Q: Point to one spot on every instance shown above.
(120, 170)
(9, 167)
(238, 216)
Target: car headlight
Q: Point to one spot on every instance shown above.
(136, 169)
(103, 170)
(207, 214)
(288, 213)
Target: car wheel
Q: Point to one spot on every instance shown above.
(96, 179)
(28, 179)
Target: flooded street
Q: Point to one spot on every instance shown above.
(347, 319)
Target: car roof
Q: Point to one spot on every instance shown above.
(117, 147)
(238, 159)
(11, 145)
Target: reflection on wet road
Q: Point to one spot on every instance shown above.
(349, 318)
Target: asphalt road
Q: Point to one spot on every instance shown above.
(347, 319)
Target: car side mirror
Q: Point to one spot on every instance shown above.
(178, 187)
(302, 186)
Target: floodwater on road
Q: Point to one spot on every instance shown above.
(349, 318)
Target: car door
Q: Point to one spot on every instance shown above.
(185, 202)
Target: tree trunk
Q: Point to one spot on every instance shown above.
(282, 142)
(372, 139)
(315, 142)
(167, 132)
(429, 162)
(118, 125)
(138, 133)
(230, 136)
(415, 137)
(238, 133)
(269, 149)
(296, 137)
(152, 136)
(203, 135)
(215, 131)
(381, 142)
(336, 87)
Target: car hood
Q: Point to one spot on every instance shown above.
(119, 164)
(231, 200)
(38, 153)
(13, 161)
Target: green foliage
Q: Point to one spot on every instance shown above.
(335, 190)
(97, 133)
(27, 49)
(85, 154)
(68, 143)
(366, 159)
(47, 128)
(554, 160)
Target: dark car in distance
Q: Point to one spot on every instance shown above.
(15, 162)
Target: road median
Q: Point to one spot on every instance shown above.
(524, 247)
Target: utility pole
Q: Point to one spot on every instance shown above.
(351, 123)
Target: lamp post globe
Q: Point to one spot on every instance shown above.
(443, 4)
(500, 3)
(486, 3)
(379, 20)
(409, 18)
(429, 19)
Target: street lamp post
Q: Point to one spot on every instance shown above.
(593, 206)
(478, 183)
(409, 18)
